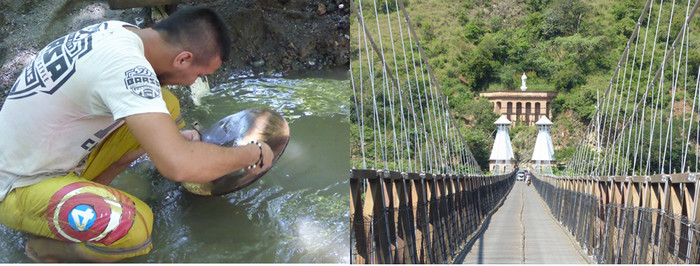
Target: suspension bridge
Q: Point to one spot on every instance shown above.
(628, 195)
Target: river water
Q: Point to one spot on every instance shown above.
(296, 213)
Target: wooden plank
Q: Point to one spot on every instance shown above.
(392, 199)
(637, 201)
(675, 208)
(368, 215)
(694, 239)
(452, 215)
(435, 224)
(417, 232)
(478, 201)
(618, 178)
(638, 179)
(406, 226)
(696, 204)
(381, 228)
(602, 195)
(688, 200)
(439, 219)
(592, 220)
(622, 221)
(428, 225)
(362, 237)
(680, 178)
(655, 178)
(460, 235)
(662, 235)
(675, 204)
(422, 225)
(472, 207)
(643, 244)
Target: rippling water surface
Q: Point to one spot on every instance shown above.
(296, 213)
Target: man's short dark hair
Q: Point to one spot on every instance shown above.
(199, 30)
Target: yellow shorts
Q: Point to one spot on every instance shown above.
(107, 222)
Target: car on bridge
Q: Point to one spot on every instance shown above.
(521, 175)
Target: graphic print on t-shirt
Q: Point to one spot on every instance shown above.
(55, 64)
(141, 82)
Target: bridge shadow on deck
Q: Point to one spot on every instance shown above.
(521, 230)
(479, 235)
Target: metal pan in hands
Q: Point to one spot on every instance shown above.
(255, 124)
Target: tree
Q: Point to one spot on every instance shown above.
(563, 17)
(479, 67)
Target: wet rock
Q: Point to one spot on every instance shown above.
(258, 63)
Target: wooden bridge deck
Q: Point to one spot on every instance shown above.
(523, 230)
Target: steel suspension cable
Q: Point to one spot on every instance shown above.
(430, 71)
(640, 128)
(384, 91)
(646, 8)
(385, 66)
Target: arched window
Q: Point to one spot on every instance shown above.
(509, 113)
(528, 113)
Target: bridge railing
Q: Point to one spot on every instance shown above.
(418, 218)
(628, 219)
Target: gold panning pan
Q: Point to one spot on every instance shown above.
(255, 124)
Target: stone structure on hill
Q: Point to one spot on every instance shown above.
(521, 107)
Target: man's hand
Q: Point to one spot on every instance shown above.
(181, 160)
(191, 135)
(267, 157)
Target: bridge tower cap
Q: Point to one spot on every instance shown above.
(502, 120)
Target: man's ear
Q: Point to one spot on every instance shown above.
(183, 60)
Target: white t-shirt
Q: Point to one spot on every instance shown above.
(69, 98)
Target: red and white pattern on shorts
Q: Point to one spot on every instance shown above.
(113, 213)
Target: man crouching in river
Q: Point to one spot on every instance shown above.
(89, 104)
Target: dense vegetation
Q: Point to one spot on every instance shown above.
(569, 46)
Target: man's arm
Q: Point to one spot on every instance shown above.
(108, 175)
(188, 161)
